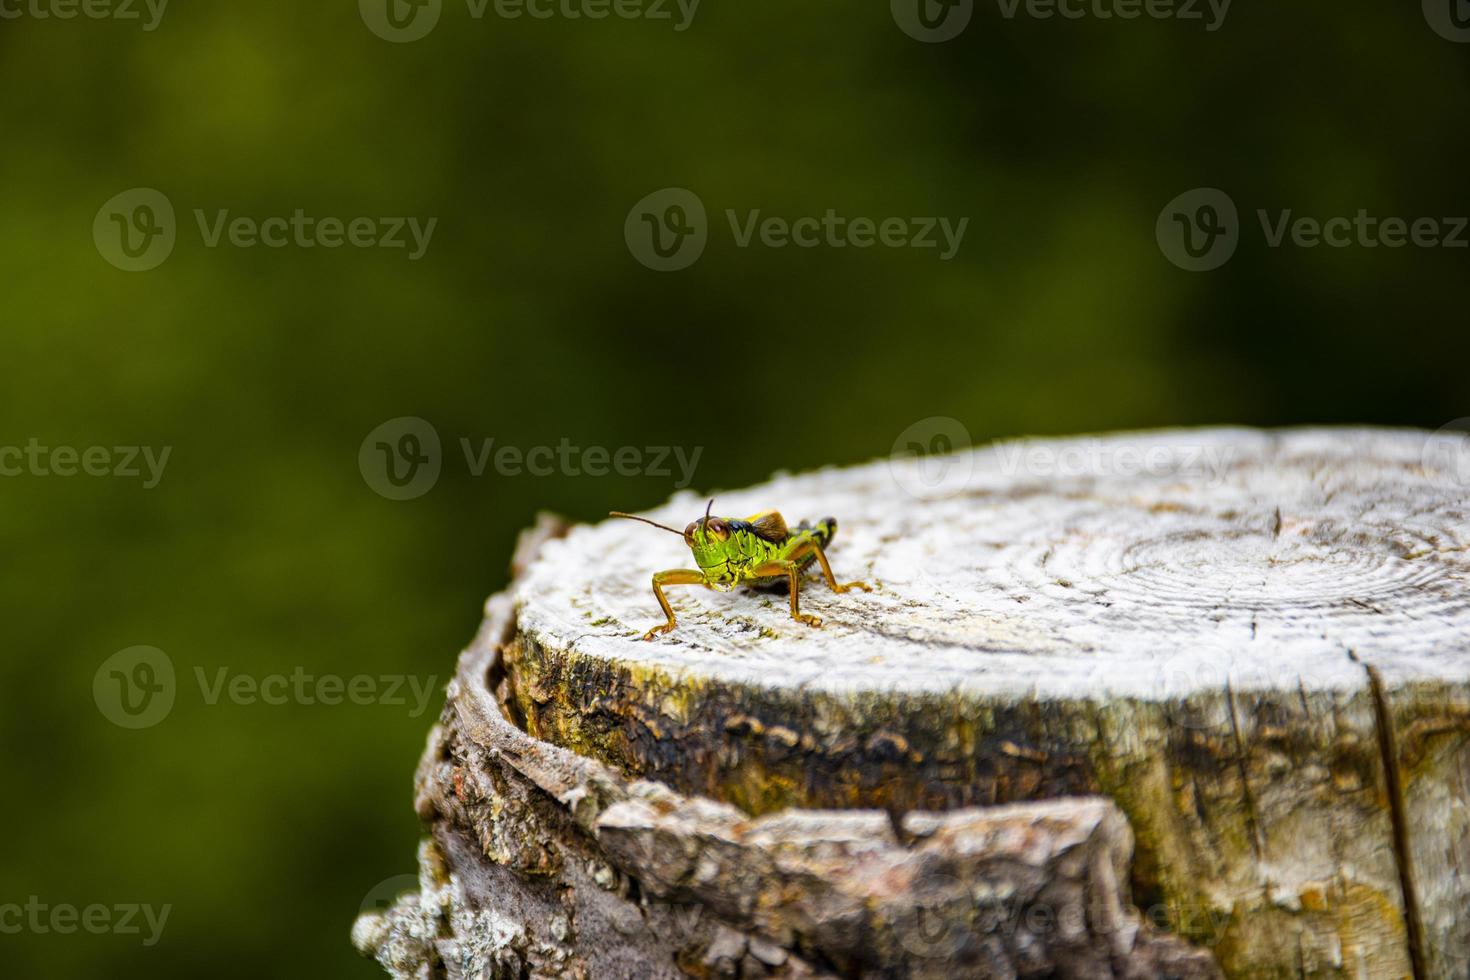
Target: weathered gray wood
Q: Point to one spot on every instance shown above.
(1191, 640)
(1256, 644)
(547, 864)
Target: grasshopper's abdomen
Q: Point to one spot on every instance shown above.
(823, 531)
(733, 560)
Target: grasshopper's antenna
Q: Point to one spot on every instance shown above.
(708, 508)
(634, 517)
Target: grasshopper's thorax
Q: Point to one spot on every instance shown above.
(724, 550)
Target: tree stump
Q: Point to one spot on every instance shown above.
(1247, 651)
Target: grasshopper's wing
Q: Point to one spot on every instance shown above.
(769, 525)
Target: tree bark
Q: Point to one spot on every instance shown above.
(1252, 649)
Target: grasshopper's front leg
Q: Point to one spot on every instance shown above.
(792, 571)
(674, 576)
(811, 547)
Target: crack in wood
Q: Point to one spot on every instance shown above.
(1393, 778)
(1253, 822)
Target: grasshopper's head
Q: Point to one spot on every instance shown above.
(711, 539)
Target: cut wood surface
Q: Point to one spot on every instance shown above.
(1256, 645)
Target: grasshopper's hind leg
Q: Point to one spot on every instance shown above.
(792, 571)
(812, 547)
(674, 576)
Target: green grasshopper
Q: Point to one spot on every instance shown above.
(759, 551)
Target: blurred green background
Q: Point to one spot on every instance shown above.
(264, 548)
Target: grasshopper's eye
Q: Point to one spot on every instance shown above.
(689, 532)
(718, 529)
